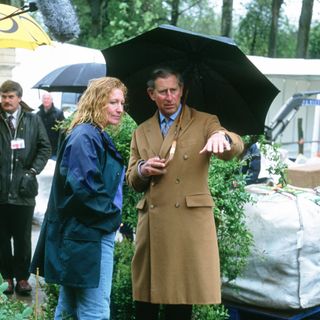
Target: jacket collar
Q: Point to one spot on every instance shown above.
(111, 146)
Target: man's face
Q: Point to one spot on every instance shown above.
(10, 101)
(47, 101)
(166, 94)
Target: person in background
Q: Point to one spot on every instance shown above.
(176, 260)
(24, 152)
(50, 116)
(76, 243)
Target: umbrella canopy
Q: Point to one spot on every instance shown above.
(72, 77)
(20, 30)
(219, 78)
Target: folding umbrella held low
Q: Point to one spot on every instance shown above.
(19, 30)
(219, 78)
(71, 77)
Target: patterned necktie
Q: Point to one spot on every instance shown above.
(10, 123)
(165, 126)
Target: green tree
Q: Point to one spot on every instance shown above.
(200, 18)
(116, 21)
(253, 32)
(314, 43)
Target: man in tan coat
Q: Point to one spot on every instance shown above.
(176, 262)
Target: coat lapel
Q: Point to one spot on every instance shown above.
(153, 134)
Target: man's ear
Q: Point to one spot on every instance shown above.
(182, 87)
(151, 93)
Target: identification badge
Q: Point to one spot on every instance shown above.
(17, 144)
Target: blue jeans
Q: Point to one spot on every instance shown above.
(90, 304)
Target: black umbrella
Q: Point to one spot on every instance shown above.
(220, 79)
(71, 78)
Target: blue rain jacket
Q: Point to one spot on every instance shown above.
(84, 204)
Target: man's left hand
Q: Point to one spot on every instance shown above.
(217, 143)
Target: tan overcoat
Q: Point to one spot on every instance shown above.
(176, 259)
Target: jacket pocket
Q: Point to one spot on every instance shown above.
(75, 230)
(199, 200)
(28, 186)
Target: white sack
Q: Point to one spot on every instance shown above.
(283, 271)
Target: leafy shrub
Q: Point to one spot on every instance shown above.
(51, 301)
(122, 306)
(227, 186)
(209, 312)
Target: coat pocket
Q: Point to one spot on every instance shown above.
(80, 255)
(199, 200)
(28, 186)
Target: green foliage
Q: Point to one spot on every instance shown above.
(253, 32)
(314, 42)
(209, 312)
(286, 37)
(227, 186)
(51, 300)
(11, 308)
(121, 136)
(201, 18)
(123, 20)
(122, 306)
(277, 167)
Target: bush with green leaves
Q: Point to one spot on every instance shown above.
(50, 302)
(122, 306)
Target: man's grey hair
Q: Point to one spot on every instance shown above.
(11, 86)
(163, 73)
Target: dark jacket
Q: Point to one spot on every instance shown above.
(252, 164)
(17, 185)
(50, 119)
(82, 207)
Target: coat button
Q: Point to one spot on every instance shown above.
(177, 181)
(185, 157)
(177, 205)
(152, 206)
(152, 183)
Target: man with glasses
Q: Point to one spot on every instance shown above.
(176, 261)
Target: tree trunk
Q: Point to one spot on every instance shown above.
(174, 12)
(226, 19)
(272, 49)
(304, 28)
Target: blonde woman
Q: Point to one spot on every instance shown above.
(75, 247)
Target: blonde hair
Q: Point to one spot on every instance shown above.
(93, 100)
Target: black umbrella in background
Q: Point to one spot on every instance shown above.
(71, 78)
(219, 78)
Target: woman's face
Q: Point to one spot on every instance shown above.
(114, 107)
